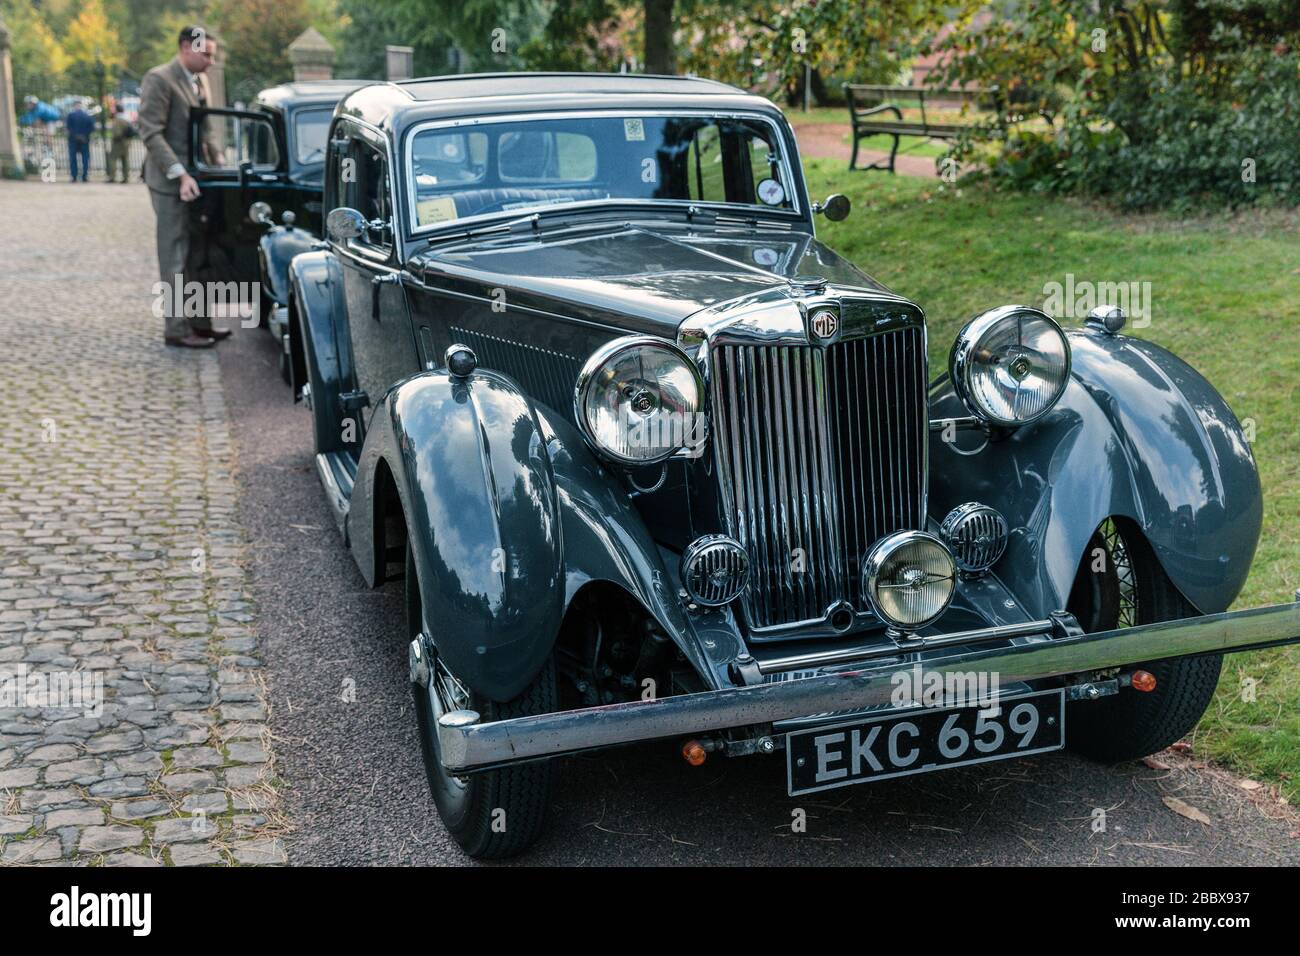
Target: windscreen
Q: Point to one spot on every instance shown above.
(463, 172)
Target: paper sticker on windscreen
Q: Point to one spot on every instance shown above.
(433, 211)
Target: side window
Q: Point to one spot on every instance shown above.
(363, 185)
(227, 141)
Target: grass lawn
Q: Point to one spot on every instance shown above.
(1225, 296)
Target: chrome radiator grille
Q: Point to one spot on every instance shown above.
(821, 452)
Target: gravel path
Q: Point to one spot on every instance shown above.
(340, 712)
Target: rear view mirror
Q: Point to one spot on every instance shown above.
(344, 223)
(835, 208)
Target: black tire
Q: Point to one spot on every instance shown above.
(498, 813)
(1131, 589)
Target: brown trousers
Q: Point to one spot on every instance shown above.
(172, 231)
(117, 160)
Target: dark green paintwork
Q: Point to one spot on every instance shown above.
(511, 514)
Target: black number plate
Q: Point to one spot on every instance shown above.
(918, 741)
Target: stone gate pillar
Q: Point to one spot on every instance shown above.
(11, 151)
(312, 56)
(215, 75)
(398, 62)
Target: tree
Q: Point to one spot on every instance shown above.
(1157, 102)
(91, 38)
(370, 26)
(660, 50)
(256, 34)
(769, 44)
(38, 59)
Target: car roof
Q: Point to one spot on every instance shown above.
(394, 106)
(307, 91)
(508, 84)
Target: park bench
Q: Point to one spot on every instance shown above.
(868, 105)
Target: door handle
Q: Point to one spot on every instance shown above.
(391, 278)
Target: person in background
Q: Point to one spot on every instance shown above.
(80, 126)
(167, 94)
(123, 133)
(37, 112)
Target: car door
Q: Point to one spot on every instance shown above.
(379, 327)
(237, 157)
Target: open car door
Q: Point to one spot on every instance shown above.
(238, 157)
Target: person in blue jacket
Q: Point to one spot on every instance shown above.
(80, 126)
(37, 112)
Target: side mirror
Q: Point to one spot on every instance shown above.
(835, 208)
(260, 213)
(345, 223)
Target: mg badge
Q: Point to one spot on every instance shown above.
(824, 324)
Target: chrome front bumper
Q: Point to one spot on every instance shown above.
(468, 745)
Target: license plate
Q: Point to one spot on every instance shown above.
(877, 748)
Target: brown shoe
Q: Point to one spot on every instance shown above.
(214, 334)
(190, 342)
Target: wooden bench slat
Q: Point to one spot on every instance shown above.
(935, 130)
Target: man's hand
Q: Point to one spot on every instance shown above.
(189, 188)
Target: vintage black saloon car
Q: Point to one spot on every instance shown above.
(655, 464)
(251, 166)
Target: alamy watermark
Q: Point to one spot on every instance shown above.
(944, 688)
(62, 690)
(240, 300)
(1074, 299)
(685, 430)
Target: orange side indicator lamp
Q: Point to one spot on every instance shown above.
(1144, 681)
(694, 752)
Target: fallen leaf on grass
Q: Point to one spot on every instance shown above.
(1250, 784)
(1185, 810)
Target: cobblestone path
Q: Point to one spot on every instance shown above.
(120, 561)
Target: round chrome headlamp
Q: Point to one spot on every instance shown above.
(714, 570)
(977, 535)
(639, 400)
(1010, 365)
(909, 577)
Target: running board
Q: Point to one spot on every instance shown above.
(337, 482)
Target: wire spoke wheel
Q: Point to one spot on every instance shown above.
(1120, 583)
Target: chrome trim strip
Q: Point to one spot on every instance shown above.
(864, 652)
(486, 745)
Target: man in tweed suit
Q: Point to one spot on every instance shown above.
(167, 94)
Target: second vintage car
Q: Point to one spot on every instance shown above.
(653, 463)
(254, 166)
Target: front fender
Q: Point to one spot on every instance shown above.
(508, 515)
(1138, 433)
(275, 250)
(471, 470)
(318, 349)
